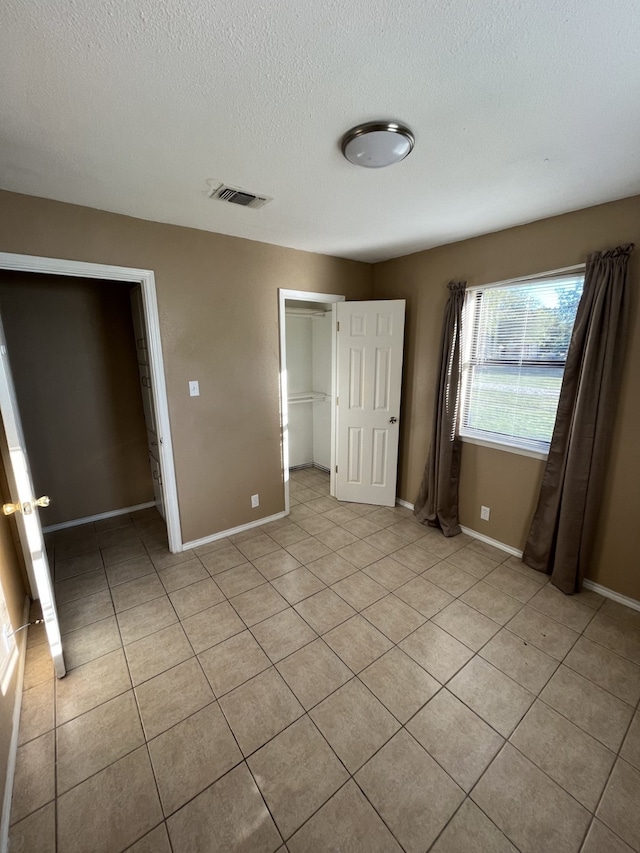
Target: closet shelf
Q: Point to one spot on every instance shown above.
(308, 397)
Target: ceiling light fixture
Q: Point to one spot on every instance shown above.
(377, 144)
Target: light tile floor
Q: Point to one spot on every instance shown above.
(344, 679)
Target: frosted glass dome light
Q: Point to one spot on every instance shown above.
(377, 144)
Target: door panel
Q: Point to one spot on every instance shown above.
(157, 483)
(369, 376)
(147, 398)
(137, 314)
(380, 457)
(355, 455)
(22, 495)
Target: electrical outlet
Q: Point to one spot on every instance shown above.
(255, 501)
(485, 513)
(194, 388)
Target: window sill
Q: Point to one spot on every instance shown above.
(508, 448)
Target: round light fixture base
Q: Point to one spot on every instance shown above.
(377, 144)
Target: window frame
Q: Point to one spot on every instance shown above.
(8, 645)
(510, 444)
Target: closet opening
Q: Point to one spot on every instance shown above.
(307, 373)
(71, 335)
(70, 374)
(80, 363)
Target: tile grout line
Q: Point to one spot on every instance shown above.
(475, 653)
(456, 597)
(137, 706)
(305, 714)
(617, 758)
(505, 740)
(467, 797)
(581, 633)
(135, 700)
(388, 593)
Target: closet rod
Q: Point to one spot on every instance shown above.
(311, 397)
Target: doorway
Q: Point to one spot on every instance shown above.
(149, 318)
(307, 382)
(74, 363)
(365, 362)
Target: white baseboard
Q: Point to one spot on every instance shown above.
(186, 546)
(405, 504)
(508, 549)
(111, 514)
(13, 744)
(474, 533)
(586, 583)
(610, 593)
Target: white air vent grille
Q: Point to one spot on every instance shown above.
(235, 195)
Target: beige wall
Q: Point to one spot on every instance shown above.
(11, 578)
(73, 360)
(507, 482)
(217, 298)
(218, 305)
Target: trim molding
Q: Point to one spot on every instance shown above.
(232, 531)
(610, 593)
(475, 535)
(586, 583)
(405, 504)
(503, 446)
(13, 743)
(111, 514)
(508, 549)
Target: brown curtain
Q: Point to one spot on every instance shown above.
(437, 503)
(561, 536)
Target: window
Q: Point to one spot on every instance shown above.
(515, 339)
(8, 648)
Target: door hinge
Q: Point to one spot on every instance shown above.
(337, 401)
(336, 469)
(338, 326)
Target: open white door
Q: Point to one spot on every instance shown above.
(25, 506)
(369, 379)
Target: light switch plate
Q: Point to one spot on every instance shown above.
(194, 388)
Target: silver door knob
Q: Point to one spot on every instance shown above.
(392, 420)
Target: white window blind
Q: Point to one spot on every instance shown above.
(515, 342)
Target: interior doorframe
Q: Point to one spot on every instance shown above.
(304, 296)
(145, 278)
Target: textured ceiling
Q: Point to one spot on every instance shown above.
(520, 110)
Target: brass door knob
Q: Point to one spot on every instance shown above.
(27, 507)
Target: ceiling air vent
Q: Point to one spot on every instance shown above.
(235, 195)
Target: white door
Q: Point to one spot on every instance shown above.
(369, 377)
(25, 507)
